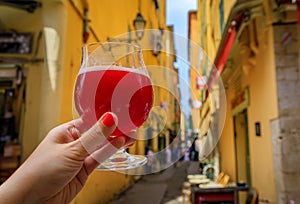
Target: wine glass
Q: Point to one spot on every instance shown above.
(113, 78)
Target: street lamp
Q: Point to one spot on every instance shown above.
(139, 24)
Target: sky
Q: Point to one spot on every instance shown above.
(177, 15)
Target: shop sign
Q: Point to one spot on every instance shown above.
(201, 82)
(286, 38)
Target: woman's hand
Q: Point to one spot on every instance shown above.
(59, 167)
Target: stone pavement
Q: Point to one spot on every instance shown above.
(158, 188)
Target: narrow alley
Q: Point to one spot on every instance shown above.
(160, 188)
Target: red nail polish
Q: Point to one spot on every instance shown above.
(108, 120)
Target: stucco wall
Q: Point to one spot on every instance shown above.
(49, 90)
(260, 79)
(263, 109)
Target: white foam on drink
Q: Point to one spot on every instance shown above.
(113, 68)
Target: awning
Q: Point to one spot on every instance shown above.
(221, 61)
(224, 52)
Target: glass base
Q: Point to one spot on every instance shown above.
(121, 160)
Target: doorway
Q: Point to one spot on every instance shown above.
(12, 100)
(242, 153)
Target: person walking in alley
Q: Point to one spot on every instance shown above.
(151, 160)
(168, 156)
(59, 167)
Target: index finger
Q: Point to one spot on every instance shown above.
(97, 134)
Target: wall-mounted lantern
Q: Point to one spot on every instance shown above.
(139, 24)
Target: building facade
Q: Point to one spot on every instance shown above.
(42, 95)
(255, 50)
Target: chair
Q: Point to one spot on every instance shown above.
(225, 180)
(252, 197)
(220, 177)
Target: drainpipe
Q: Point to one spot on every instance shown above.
(220, 62)
(85, 18)
(86, 33)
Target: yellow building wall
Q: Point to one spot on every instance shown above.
(263, 108)
(108, 19)
(209, 36)
(43, 91)
(195, 67)
(171, 80)
(263, 104)
(101, 187)
(46, 106)
(72, 58)
(226, 142)
(195, 95)
(210, 33)
(209, 25)
(228, 4)
(106, 26)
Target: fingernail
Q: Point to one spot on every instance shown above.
(108, 120)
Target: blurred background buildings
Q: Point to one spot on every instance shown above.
(40, 58)
(251, 45)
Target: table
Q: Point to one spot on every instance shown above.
(225, 195)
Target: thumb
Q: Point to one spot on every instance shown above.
(98, 133)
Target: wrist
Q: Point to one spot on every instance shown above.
(18, 189)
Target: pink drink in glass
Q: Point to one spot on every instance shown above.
(127, 92)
